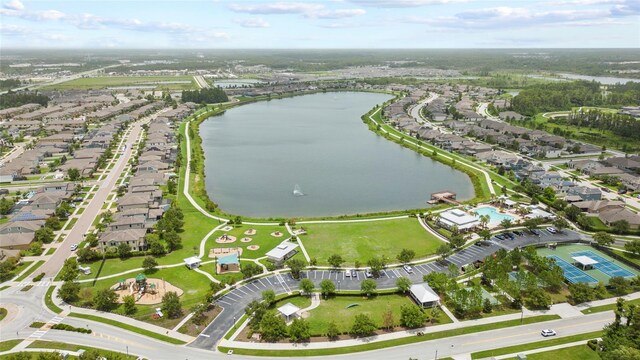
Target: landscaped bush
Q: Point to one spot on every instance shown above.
(37, 324)
(66, 327)
(39, 277)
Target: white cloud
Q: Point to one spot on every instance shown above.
(14, 5)
(403, 3)
(14, 30)
(308, 10)
(253, 23)
(276, 8)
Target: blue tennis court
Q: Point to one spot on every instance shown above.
(604, 265)
(572, 273)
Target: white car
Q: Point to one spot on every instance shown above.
(408, 269)
(552, 230)
(74, 247)
(347, 273)
(548, 332)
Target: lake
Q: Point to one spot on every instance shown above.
(256, 154)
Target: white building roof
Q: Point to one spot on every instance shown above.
(459, 218)
(424, 293)
(288, 309)
(192, 260)
(584, 260)
(280, 251)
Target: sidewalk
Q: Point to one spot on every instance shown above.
(555, 347)
(613, 300)
(123, 319)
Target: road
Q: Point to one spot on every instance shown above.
(17, 150)
(202, 83)
(62, 79)
(415, 110)
(75, 236)
(30, 308)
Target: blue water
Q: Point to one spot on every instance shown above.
(494, 215)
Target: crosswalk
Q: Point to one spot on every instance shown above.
(27, 282)
(43, 330)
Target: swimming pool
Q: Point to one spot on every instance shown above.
(495, 217)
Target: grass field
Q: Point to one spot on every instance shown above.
(335, 309)
(365, 240)
(9, 344)
(631, 257)
(3, 313)
(30, 271)
(158, 82)
(536, 345)
(42, 344)
(608, 307)
(580, 352)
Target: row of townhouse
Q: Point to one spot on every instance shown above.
(143, 205)
(626, 169)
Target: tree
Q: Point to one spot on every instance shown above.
(307, 286)
(69, 270)
(438, 281)
(299, 330)
(581, 292)
(376, 265)
(5, 206)
(272, 327)
(412, 316)
(86, 255)
(620, 226)
(403, 284)
(487, 307)
(250, 269)
(453, 270)
(560, 223)
(154, 245)
(105, 299)
(457, 241)
(173, 240)
(269, 297)
(69, 291)
(485, 234)
(335, 260)
(327, 288)
(619, 285)
(387, 319)
(539, 299)
(171, 305)
(406, 255)
(443, 251)
(44, 235)
(632, 246)
(363, 325)
(124, 251)
(296, 266)
(368, 287)
(129, 303)
(149, 264)
(572, 212)
(332, 330)
(73, 174)
(603, 238)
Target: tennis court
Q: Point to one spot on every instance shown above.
(606, 266)
(572, 273)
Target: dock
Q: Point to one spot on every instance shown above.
(444, 196)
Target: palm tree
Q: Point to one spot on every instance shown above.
(506, 223)
(484, 220)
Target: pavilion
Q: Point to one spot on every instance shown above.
(584, 261)
(287, 310)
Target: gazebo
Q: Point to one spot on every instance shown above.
(584, 261)
(287, 310)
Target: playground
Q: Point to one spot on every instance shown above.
(146, 291)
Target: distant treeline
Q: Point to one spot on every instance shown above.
(9, 84)
(619, 124)
(208, 96)
(565, 95)
(14, 99)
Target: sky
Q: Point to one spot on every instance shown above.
(320, 24)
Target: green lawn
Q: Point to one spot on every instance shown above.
(42, 344)
(335, 309)
(48, 301)
(71, 223)
(9, 344)
(30, 271)
(602, 308)
(394, 342)
(579, 352)
(115, 81)
(262, 238)
(631, 257)
(3, 313)
(365, 240)
(535, 345)
(21, 266)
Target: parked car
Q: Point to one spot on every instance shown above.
(552, 230)
(354, 273)
(500, 236)
(518, 232)
(74, 247)
(548, 332)
(606, 189)
(347, 273)
(368, 273)
(535, 232)
(408, 269)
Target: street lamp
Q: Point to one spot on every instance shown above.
(338, 285)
